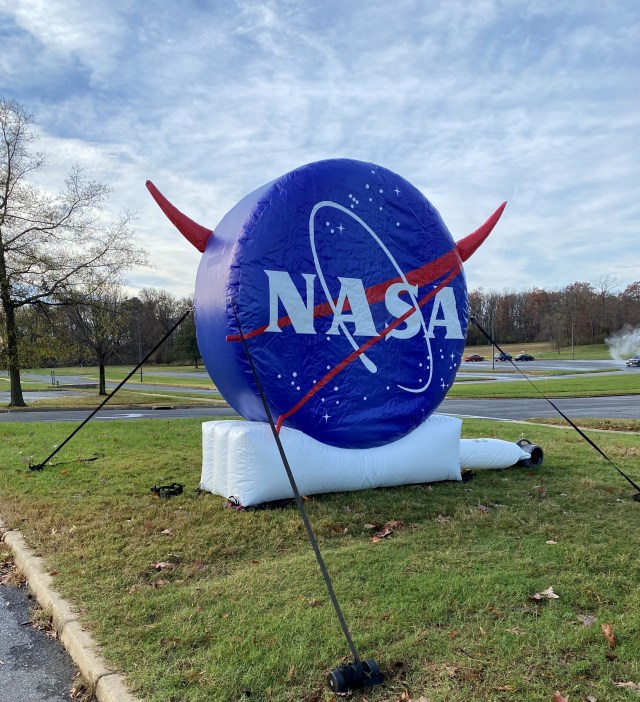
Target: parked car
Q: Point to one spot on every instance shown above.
(503, 357)
(474, 357)
(635, 361)
(525, 357)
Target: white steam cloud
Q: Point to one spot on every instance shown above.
(624, 344)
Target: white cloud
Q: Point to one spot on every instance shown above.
(474, 103)
(73, 29)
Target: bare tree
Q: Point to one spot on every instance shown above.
(49, 243)
(605, 287)
(98, 323)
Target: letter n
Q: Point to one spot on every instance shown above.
(282, 289)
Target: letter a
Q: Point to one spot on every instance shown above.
(352, 293)
(445, 300)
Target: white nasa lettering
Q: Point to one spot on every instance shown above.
(445, 301)
(281, 288)
(352, 289)
(397, 307)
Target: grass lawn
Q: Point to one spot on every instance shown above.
(589, 352)
(133, 394)
(150, 375)
(89, 399)
(443, 603)
(584, 386)
(599, 423)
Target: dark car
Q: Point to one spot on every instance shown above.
(474, 357)
(503, 356)
(525, 357)
(635, 361)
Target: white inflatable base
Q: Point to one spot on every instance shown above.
(240, 459)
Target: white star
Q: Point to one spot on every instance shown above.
(326, 416)
(443, 385)
(452, 357)
(340, 228)
(396, 191)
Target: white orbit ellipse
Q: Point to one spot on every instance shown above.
(368, 363)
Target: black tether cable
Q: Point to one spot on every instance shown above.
(296, 493)
(40, 466)
(559, 411)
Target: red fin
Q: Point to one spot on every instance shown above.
(467, 246)
(193, 232)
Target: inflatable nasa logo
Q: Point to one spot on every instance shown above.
(350, 294)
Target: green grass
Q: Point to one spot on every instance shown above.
(133, 394)
(27, 384)
(529, 369)
(584, 386)
(589, 352)
(89, 399)
(443, 604)
(150, 375)
(599, 423)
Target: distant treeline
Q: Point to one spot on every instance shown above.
(116, 329)
(111, 329)
(581, 313)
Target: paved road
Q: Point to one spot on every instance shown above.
(106, 414)
(623, 406)
(483, 371)
(33, 667)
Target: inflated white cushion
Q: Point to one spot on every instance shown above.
(241, 459)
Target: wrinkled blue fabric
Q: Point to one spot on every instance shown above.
(350, 226)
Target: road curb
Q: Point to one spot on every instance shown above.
(108, 684)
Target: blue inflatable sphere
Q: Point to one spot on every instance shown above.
(352, 299)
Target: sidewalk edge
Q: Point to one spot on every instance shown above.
(109, 685)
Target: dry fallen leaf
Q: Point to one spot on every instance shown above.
(551, 542)
(628, 685)
(607, 630)
(557, 697)
(387, 529)
(163, 565)
(166, 532)
(587, 619)
(549, 594)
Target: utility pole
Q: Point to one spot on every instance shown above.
(493, 341)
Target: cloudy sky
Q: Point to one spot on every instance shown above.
(532, 101)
